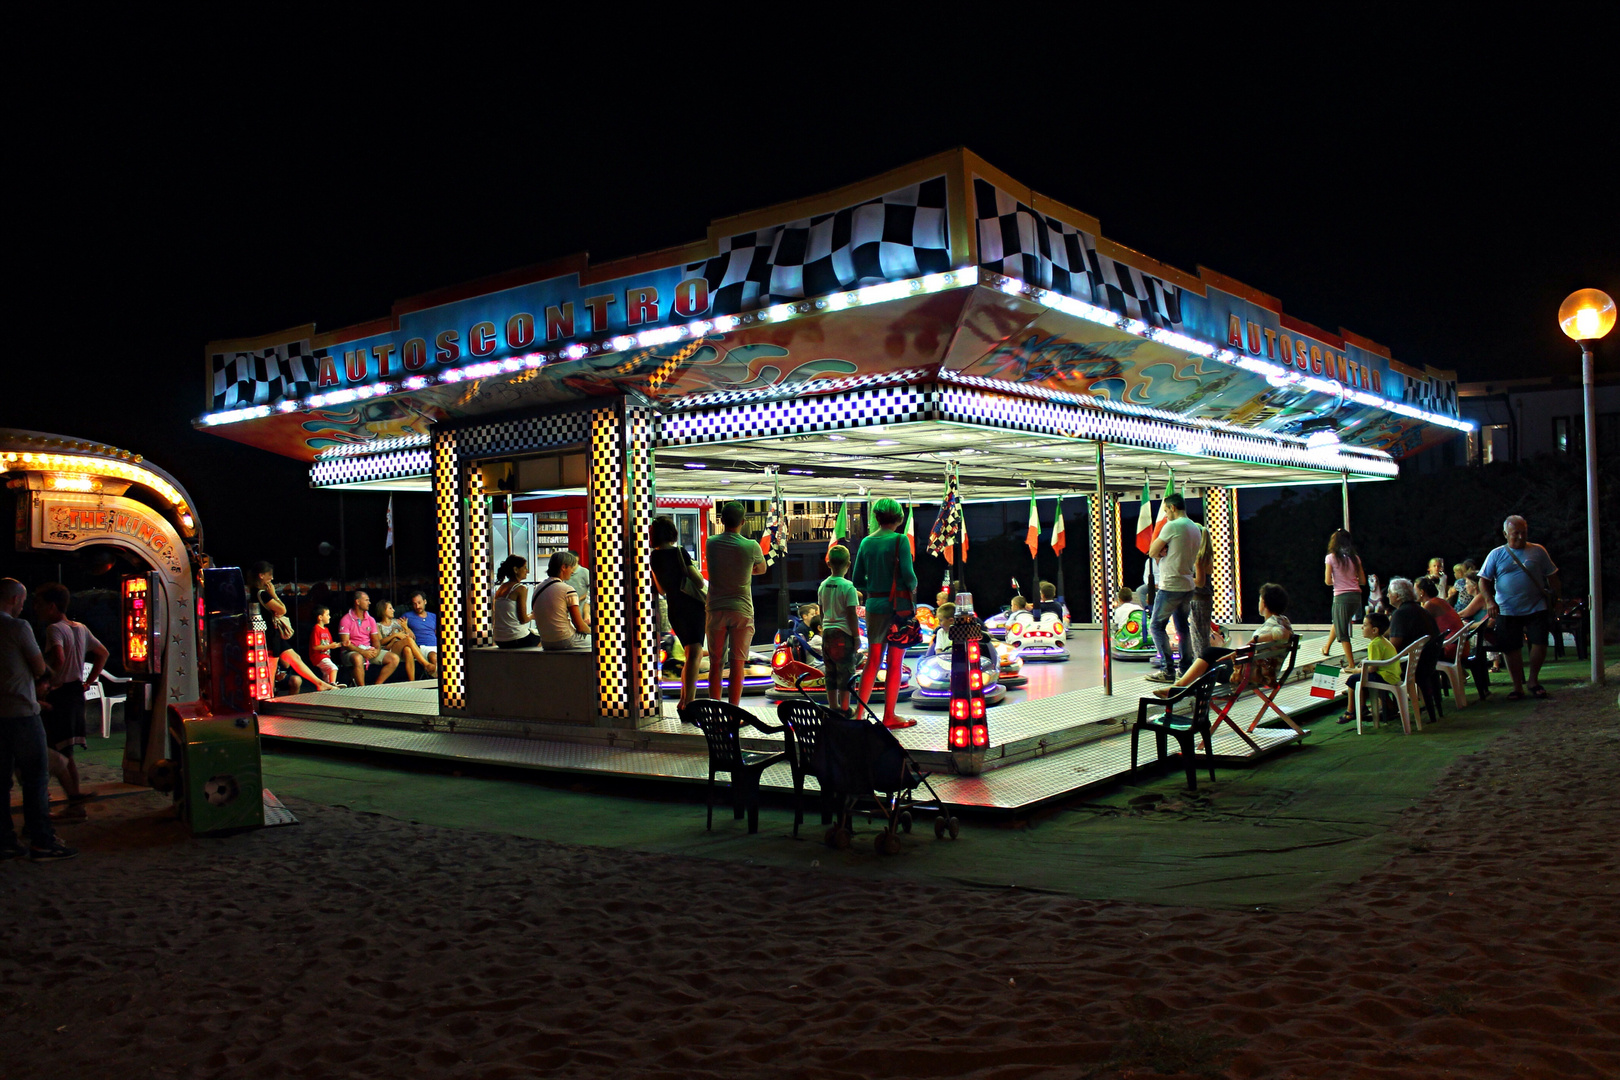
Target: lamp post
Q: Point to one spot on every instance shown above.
(1586, 316)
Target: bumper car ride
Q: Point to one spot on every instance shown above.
(1039, 642)
(672, 660)
(1131, 640)
(796, 672)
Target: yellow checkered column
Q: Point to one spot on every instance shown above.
(1220, 518)
(480, 554)
(614, 663)
(447, 528)
(641, 438)
(1106, 550)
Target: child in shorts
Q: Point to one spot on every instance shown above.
(321, 645)
(840, 632)
(1374, 628)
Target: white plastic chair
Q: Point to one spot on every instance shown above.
(1405, 694)
(1453, 669)
(97, 692)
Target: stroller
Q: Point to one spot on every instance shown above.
(857, 758)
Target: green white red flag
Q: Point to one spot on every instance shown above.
(1059, 536)
(1032, 538)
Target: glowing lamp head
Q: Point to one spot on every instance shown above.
(780, 657)
(1586, 315)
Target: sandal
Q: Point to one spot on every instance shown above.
(1538, 691)
(1515, 695)
(1346, 718)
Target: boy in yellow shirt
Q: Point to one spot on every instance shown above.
(1375, 629)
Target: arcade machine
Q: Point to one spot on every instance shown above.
(198, 662)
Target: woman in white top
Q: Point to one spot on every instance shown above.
(556, 608)
(513, 619)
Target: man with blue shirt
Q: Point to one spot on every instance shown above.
(1521, 585)
(424, 626)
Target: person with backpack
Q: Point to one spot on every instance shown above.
(1521, 586)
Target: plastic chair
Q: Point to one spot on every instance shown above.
(721, 723)
(1183, 729)
(96, 692)
(1460, 642)
(804, 722)
(1405, 694)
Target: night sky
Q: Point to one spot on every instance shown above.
(177, 191)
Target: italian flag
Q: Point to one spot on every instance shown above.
(1164, 506)
(1033, 539)
(1144, 520)
(841, 527)
(1059, 537)
(910, 536)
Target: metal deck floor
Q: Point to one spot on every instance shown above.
(1043, 749)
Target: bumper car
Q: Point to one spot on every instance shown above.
(796, 666)
(1038, 642)
(1131, 640)
(672, 661)
(996, 625)
(934, 679)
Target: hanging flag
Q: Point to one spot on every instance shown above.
(911, 537)
(841, 527)
(1032, 536)
(948, 525)
(1164, 505)
(773, 541)
(1059, 537)
(390, 541)
(1144, 520)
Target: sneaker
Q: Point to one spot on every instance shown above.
(1159, 676)
(55, 853)
(11, 849)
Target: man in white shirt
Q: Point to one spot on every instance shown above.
(1176, 550)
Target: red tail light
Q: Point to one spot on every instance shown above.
(959, 708)
(959, 737)
(780, 657)
(976, 679)
(981, 736)
(978, 708)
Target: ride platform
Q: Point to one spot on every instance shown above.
(1054, 738)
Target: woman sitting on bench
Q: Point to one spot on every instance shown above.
(1273, 602)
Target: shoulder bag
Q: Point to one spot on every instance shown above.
(904, 630)
(1546, 597)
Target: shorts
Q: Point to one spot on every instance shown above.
(1513, 630)
(527, 641)
(64, 720)
(838, 656)
(735, 627)
(1345, 606)
(326, 666)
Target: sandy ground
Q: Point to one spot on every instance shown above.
(357, 945)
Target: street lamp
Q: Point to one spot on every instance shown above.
(1586, 316)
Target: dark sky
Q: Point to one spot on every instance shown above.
(1416, 188)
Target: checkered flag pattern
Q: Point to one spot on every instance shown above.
(1218, 519)
(832, 412)
(641, 501)
(1040, 250)
(357, 468)
(966, 627)
(452, 588)
(260, 377)
(480, 558)
(1104, 553)
(901, 234)
(608, 513)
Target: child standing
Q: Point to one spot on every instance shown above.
(321, 646)
(1374, 628)
(839, 629)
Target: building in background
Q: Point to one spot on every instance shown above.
(1519, 419)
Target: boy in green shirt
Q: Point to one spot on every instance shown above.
(839, 628)
(1375, 629)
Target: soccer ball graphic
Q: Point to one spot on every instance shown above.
(220, 790)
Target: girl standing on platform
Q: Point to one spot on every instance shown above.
(883, 565)
(1344, 572)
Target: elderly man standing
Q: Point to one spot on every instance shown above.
(22, 735)
(1521, 586)
(1176, 550)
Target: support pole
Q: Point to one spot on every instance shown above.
(1594, 553)
(1107, 605)
(1344, 491)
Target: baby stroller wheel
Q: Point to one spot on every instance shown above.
(905, 821)
(939, 827)
(955, 827)
(838, 838)
(887, 843)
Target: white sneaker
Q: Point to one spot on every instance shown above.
(1159, 676)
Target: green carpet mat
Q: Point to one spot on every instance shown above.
(1280, 835)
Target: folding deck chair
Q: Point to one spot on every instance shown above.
(1257, 668)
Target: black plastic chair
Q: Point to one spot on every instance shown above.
(1184, 729)
(721, 723)
(805, 721)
